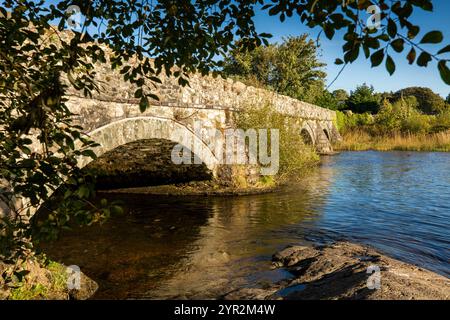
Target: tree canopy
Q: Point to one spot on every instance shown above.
(364, 99)
(290, 68)
(428, 101)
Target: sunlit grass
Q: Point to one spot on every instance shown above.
(360, 140)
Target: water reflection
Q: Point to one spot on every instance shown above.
(191, 247)
(204, 247)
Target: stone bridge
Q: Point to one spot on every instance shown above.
(112, 118)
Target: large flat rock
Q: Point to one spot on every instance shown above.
(348, 271)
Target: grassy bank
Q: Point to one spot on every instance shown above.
(360, 140)
(41, 279)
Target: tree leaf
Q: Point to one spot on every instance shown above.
(329, 30)
(377, 58)
(424, 4)
(390, 65)
(433, 37)
(143, 104)
(444, 50)
(398, 45)
(392, 28)
(138, 93)
(338, 61)
(444, 71)
(116, 210)
(423, 59)
(413, 31)
(411, 56)
(89, 153)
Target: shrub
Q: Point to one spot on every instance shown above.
(347, 120)
(416, 123)
(441, 122)
(295, 155)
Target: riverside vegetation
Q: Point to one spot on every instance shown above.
(399, 123)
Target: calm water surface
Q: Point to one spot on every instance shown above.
(398, 202)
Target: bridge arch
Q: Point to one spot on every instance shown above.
(307, 134)
(129, 130)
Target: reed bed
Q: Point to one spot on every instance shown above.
(360, 140)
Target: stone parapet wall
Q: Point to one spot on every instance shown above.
(204, 93)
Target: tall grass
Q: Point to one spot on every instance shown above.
(360, 140)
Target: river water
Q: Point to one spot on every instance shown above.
(198, 247)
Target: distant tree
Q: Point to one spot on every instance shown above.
(327, 100)
(448, 99)
(389, 96)
(341, 95)
(290, 68)
(364, 99)
(428, 101)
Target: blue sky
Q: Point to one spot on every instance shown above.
(361, 71)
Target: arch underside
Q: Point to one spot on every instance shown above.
(317, 128)
(130, 130)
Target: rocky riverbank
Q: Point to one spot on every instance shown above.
(348, 271)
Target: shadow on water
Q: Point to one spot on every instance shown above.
(185, 247)
(199, 247)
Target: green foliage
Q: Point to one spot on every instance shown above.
(290, 68)
(428, 101)
(327, 100)
(341, 96)
(364, 99)
(448, 99)
(346, 121)
(24, 292)
(402, 116)
(441, 122)
(295, 156)
(30, 287)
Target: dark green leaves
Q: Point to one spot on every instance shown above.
(390, 65)
(411, 56)
(138, 93)
(143, 104)
(444, 50)
(433, 37)
(377, 58)
(351, 55)
(392, 28)
(116, 210)
(444, 71)
(423, 59)
(398, 45)
(329, 30)
(413, 31)
(424, 4)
